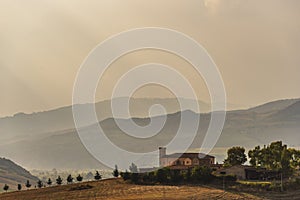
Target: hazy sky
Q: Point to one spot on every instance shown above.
(255, 43)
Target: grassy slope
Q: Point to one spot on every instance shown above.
(12, 174)
(118, 189)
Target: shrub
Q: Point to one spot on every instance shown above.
(125, 175)
(187, 175)
(176, 176)
(202, 174)
(162, 175)
(151, 177)
(134, 177)
(97, 176)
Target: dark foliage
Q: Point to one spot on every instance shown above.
(28, 185)
(125, 175)
(97, 176)
(39, 184)
(81, 187)
(235, 156)
(59, 180)
(79, 178)
(6, 187)
(49, 182)
(116, 172)
(70, 179)
(169, 176)
(19, 187)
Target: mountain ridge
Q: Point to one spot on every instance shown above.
(63, 148)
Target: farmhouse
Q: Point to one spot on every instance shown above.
(245, 172)
(238, 170)
(184, 160)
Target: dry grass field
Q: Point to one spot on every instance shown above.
(118, 189)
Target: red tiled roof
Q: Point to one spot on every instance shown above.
(188, 155)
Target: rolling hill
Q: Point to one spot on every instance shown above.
(21, 125)
(118, 189)
(277, 120)
(112, 189)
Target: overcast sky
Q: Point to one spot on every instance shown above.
(255, 44)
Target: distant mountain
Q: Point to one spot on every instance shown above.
(274, 106)
(251, 127)
(22, 126)
(290, 112)
(13, 174)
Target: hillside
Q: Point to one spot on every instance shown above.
(118, 189)
(110, 189)
(12, 174)
(21, 126)
(274, 106)
(63, 149)
(290, 113)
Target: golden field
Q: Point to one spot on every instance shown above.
(118, 189)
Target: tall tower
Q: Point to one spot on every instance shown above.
(162, 153)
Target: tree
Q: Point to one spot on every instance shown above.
(275, 156)
(187, 175)
(19, 187)
(116, 172)
(202, 174)
(79, 178)
(133, 168)
(152, 177)
(162, 175)
(59, 180)
(28, 185)
(176, 176)
(6, 187)
(97, 176)
(295, 162)
(134, 177)
(255, 156)
(40, 184)
(69, 179)
(125, 175)
(235, 156)
(49, 182)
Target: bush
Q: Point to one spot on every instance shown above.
(176, 176)
(274, 187)
(162, 175)
(187, 175)
(151, 177)
(135, 178)
(169, 176)
(293, 184)
(202, 174)
(125, 175)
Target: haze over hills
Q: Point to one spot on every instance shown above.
(21, 125)
(13, 174)
(260, 125)
(274, 106)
